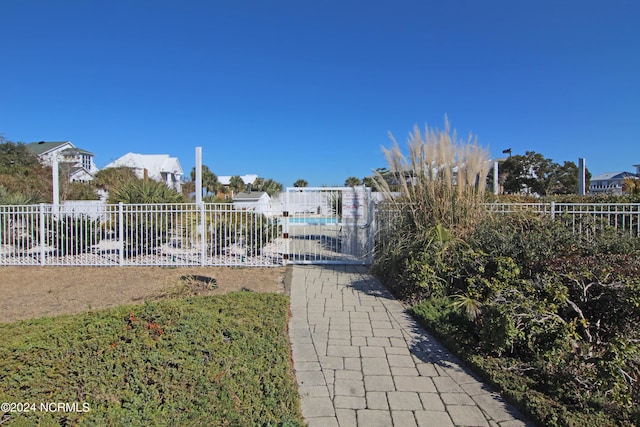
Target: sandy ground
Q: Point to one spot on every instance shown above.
(29, 292)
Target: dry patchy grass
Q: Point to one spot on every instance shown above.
(31, 292)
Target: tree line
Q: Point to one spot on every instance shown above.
(530, 173)
(24, 180)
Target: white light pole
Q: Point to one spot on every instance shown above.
(55, 171)
(55, 179)
(582, 172)
(198, 175)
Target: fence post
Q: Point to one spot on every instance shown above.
(120, 235)
(372, 228)
(203, 235)
(42, 234)
(553, 210)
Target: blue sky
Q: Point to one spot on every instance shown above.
(311, 89)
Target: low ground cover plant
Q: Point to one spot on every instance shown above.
(217, 360)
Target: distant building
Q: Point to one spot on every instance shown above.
(257, 201)
(611, 182)
(159, 167)
(80, 162)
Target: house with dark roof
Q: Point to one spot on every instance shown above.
(76, 162)
(611, 182)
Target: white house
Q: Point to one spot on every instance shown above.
(159, 167)
(257, 201)
(80, 162)
(611, 182)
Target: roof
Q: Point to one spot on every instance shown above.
(247, 197)
(608, 176)
(79, 171)
(153, 163)
(42, 147)
(80, 151)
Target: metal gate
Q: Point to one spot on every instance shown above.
(328, 225)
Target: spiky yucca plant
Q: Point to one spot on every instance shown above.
(441, 182)
(141, 191)
(10, 198)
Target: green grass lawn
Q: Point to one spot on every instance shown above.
(219, 360)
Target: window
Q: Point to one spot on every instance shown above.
(86, 162)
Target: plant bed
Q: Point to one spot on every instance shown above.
(213, 360)
(514, 379)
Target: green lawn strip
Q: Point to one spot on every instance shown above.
(437, 316)
(217, 360)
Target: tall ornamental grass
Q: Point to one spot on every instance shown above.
(440, 183)
(434, 199)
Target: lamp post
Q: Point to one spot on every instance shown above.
(55, 180)
(55, 167)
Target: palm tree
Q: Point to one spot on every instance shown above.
(301, 183)
(270, 186)
(209, 180)
(352, 181)
(140, 191)
(236, 184)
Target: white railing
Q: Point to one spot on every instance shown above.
(582, 217)
(585, 218)
(221, 235)
(154, 234)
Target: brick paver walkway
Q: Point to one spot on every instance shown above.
(361, 360)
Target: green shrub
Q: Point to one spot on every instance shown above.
(548, 315)
(78, 191)
(525, 237)
(498, 331)
(446, 322)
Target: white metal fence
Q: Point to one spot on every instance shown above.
(585, 218)
(220, 235)
(582, 217)
(154, 234)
